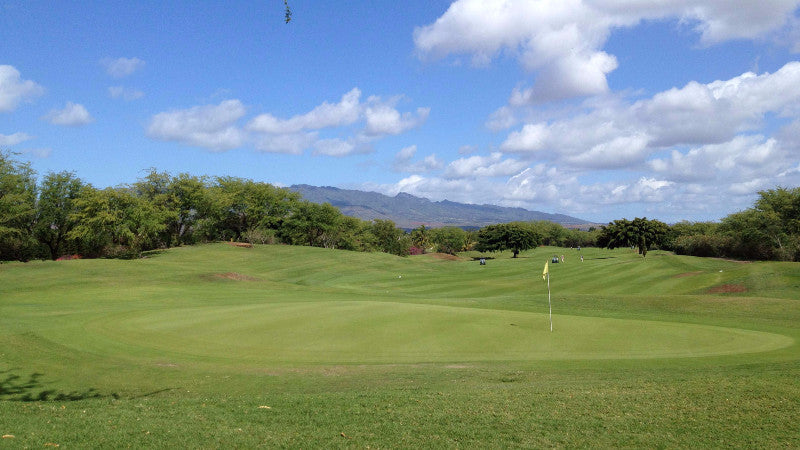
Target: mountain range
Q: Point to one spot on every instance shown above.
(408, 211)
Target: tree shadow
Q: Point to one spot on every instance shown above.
(17, 388)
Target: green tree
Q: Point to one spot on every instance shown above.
(389, 238)
(184, 200)
(317, 225)
(513, 236)
(448, 239)
(421, 238)
(17, 209)
(115, 222)
(55, 210)
(639, 233)
(239, 205)
(619, 233)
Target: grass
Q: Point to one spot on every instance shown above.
(276, 346)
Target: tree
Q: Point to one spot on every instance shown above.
(508, 236)
(239, 205)
(312, 224)
(640, 233)
(421, 238)
(448, 239)
(389, 238)
(184, 200)
(17, 209)
(55, 210)
(115, 222)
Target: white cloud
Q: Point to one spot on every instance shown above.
(293, 144)
(562, 40)
(72, 115)
(405, 154)
(337, 147)
(8, 140)
(124, 93)
(13, 89)
(403, 161)
(121, 67)
(502, 119)
(376, 117)
(383, 119)
(483, 166)
(533, 137)
(346, 112)
(742, 158)
(622, 151)
(209, 126)
(619, 134)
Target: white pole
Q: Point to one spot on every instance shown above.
(548, 301)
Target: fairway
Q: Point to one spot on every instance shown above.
(279, 346)
(382, 332)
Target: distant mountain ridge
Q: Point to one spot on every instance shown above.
(408, 211)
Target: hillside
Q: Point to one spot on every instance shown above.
(408, 211)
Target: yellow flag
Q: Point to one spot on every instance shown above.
(545, 272)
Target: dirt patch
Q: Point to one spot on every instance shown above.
(68, 257)
(444, 256)
(234, 276)
(727, 289)
(241, 244)
(688, 274)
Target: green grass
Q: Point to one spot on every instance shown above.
(278, 346)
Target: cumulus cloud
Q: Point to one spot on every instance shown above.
(358, 124)
(210, 126)
(403, 161)
(346, 112)
(72, 115)
(502, 119)
(483, 166)
(375, 118)
(383, 119)
(561, 41)
(740, 159)
(121, 67)
(124, 93)
(619, 134)
(293, 144)
(13, 89)
(8, 140)
(335, 147)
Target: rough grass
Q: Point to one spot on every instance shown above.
(220, 346)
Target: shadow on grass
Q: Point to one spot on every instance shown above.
(14, 387)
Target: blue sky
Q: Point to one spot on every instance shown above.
(600, 109)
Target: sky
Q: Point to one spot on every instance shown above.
(599, 109)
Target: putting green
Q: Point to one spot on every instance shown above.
(385, 332)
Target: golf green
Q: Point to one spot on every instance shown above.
(346, 332)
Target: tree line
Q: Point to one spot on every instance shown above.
(63, 215)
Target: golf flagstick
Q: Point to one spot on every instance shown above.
(546, 275)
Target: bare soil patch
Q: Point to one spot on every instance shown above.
(241, 244)
(727, 289)
(68, 257)
(444, 256)
(688, 274)
(235, 276)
